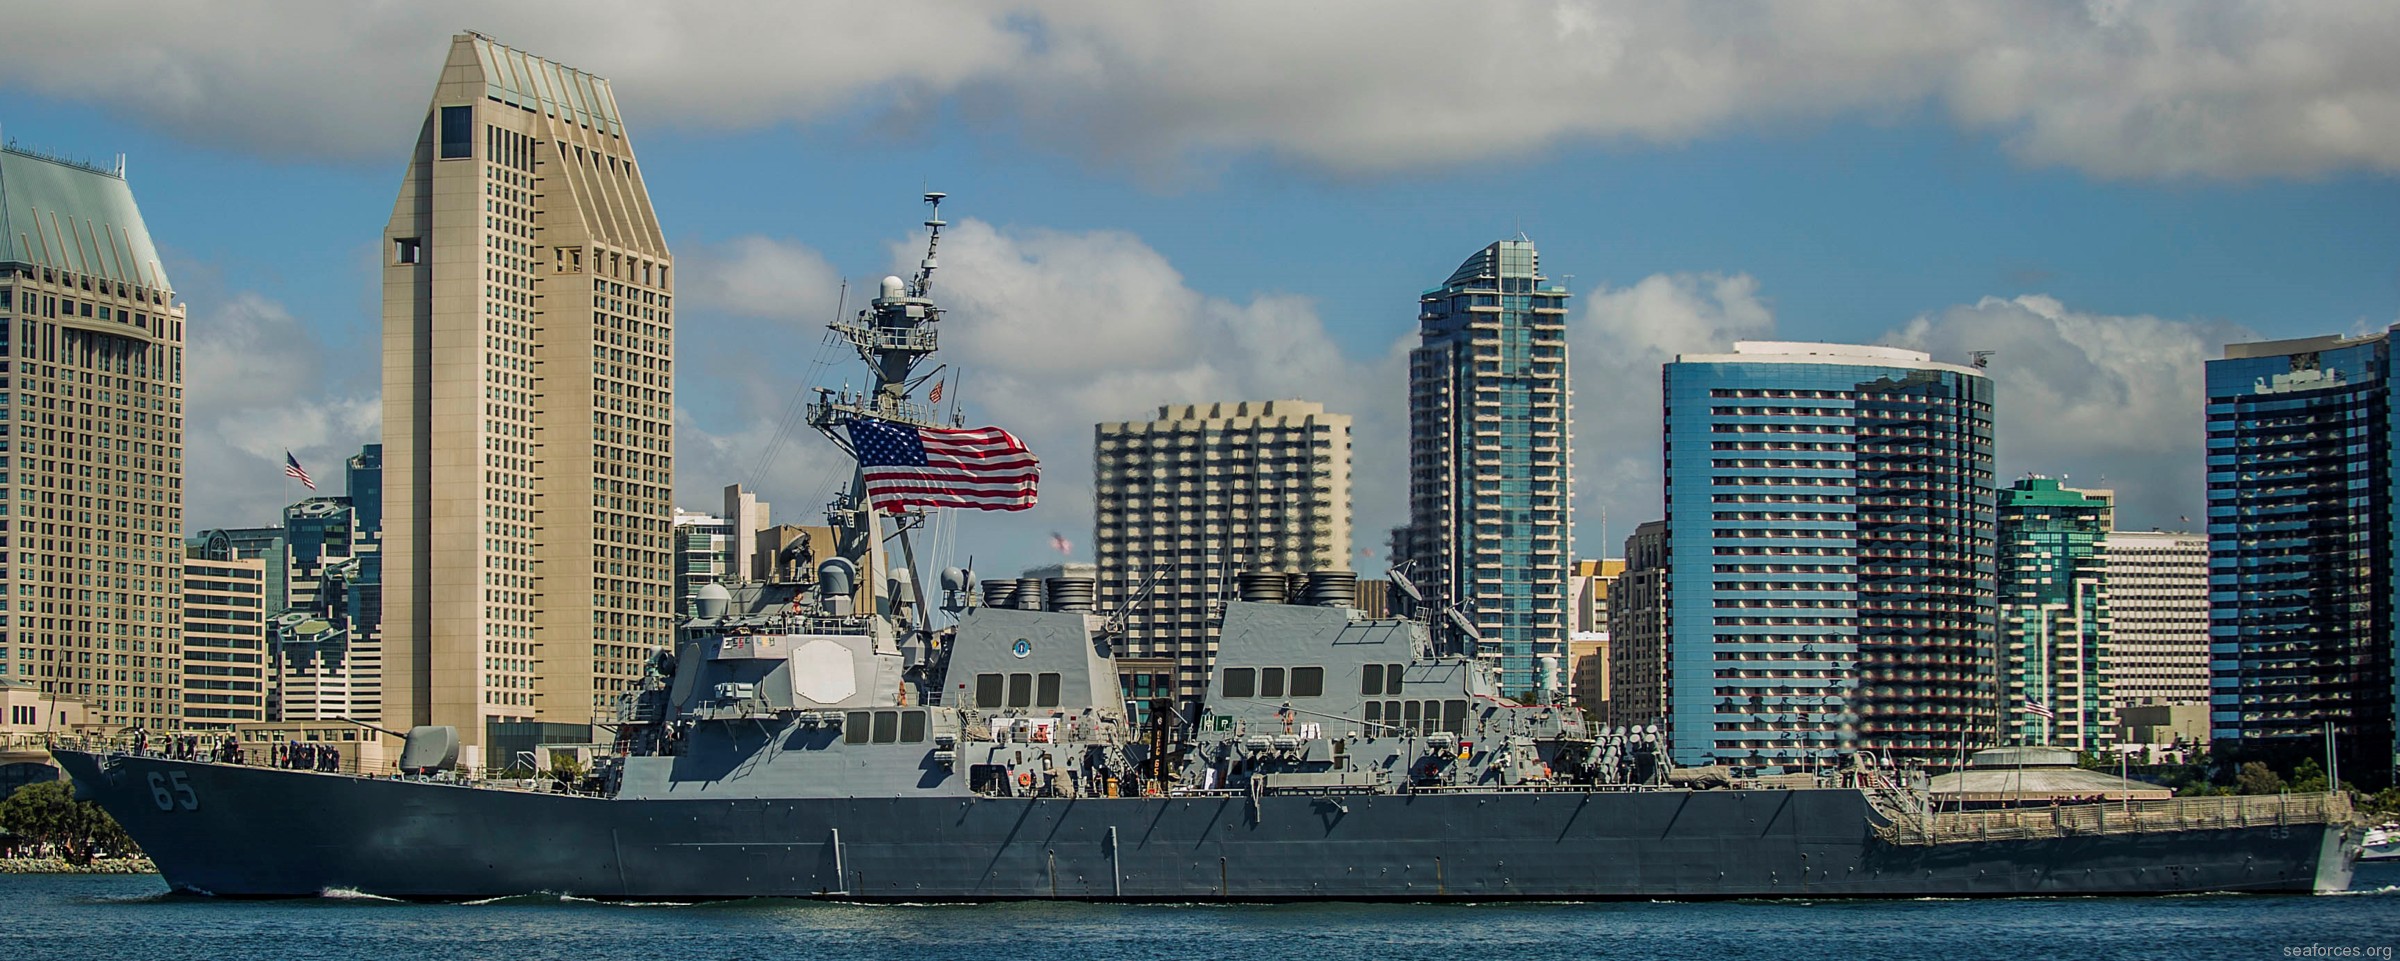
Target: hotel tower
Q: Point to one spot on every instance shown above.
(527, 390)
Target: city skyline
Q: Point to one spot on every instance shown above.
(2103, 277)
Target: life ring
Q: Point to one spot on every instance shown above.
(1025, 779)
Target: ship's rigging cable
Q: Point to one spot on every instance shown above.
(796, 409)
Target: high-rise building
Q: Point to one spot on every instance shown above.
(1587, 670)
(745, 516)
(2055, 656)
(1587, 637)
(1638, 665)
(713, 549)
(1490, 502)
(323, 597)
(91, 342)
(328, 635)
(269, 544)
(1191, 500)
(1588, 589)
(528, 398)
(703, 556)
(224, 642)
(1830, 517)
(2157, 617)
(2301, 580)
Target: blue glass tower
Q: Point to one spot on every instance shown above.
(1489, 514)
(2300, 475)
(1830, 537)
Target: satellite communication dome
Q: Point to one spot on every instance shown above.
(713, 598)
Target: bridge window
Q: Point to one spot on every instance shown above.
(1020, 690)
(1454, 716)
(854, 727)
(1370, 681)
(1308, 682)
(1241, 682)
(1391, 679)
(1270, 682)
(887, 727)
(912, 726)
(1374, 715)
(1045, 690)
(1410, 714)
(987, 690)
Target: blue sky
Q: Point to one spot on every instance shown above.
(1177, 235)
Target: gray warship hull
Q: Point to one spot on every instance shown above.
(241, 831)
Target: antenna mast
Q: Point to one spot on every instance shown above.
(894, 334)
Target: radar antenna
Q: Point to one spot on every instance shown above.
(893, 334)
(923, 287)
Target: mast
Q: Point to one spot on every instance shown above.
(893, 335)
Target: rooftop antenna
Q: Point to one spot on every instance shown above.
(1981, 358)
(933, 222)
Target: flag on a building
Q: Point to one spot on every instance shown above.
(291, 468)
(1060, 543)
(983, 468)
(2038, 708)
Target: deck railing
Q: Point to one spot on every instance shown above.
(265, 755)
(2120, 817)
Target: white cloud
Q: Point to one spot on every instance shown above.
(2108, 401)
(2137, 88)
(1052, 332)
(754, 276)
(1616, 346)
(256, 384)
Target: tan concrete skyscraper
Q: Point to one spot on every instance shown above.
(91, 444)
(2157, 588)
(1202, 494)
(527, 402)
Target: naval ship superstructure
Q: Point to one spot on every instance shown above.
(819, 736)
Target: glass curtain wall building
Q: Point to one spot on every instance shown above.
(2055, 650)
(1489, 497)
(2300, 476)
(1830, 555)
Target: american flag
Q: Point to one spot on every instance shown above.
(984, 468)
(2038, 708)
(291, 468)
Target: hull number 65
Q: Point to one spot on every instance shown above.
(170, 790)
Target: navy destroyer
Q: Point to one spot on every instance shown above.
(821, 737)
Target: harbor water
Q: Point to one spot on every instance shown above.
(100, 917)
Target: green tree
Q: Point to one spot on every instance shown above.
(2256, 777)
(2308, 776)
(567, 771)
(77, 830)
